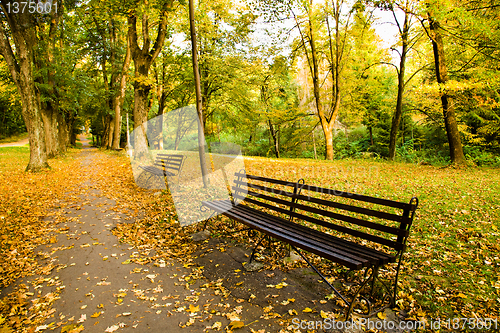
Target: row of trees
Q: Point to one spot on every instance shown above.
(272, 71)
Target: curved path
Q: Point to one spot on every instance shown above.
(15, 144)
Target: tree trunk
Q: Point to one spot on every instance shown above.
(143, 57)
(120, 96)
(63, 133)
(51, 117)
(274, 136)
(25, 40)
(450, 121)
(160, 120)
(328, 141)
(111, 134)
(199, 106)
(141, 93)
(396, 119)
(162, 97)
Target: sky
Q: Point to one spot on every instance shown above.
(384, 27)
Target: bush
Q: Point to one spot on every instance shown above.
(481, 157)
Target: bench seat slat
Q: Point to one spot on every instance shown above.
(277, 231)
(355, 249)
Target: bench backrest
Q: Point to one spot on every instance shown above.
(376, 220)
(170, 162)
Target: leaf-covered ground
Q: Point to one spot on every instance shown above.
(451, 268)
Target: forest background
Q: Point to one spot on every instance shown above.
(301, 79)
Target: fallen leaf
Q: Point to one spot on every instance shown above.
(112, 328)
(236, 324)
(193, 308)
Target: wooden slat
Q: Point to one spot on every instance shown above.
(156, 171)
(359, 197)
(354, 209)
(358, 250)
(269, 180)
(364, 198)
(355, 233)
(275, 232)
(349, 219)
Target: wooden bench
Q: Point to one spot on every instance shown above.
(166, 165)
(357, 231)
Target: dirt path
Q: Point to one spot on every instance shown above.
(95, 284)
(15, 144)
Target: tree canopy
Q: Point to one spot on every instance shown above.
(296, 78)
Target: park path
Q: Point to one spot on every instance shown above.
(98, 286)
(15, 144)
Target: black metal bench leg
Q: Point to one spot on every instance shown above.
(375, 276)
(358, 292)
(393, 300)
(255, 248)
(204, 209)
(322, 277)
(387, 298)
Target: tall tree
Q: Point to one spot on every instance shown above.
(450, 120)
(199, 107)
(143, 57)
(404, 35)
(18, 43)
(333, 56)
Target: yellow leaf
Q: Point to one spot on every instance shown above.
(193, 308)
(323, 314)
(462, 295)
(236, 324)
(292, 312)
(73, 328)
(381, 315)
(307, 310)
(96, 314)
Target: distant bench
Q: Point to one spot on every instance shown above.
(166, 165)
(342, 231)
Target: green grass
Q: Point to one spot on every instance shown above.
(14, 158)
(14, 138)
(452, 265)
